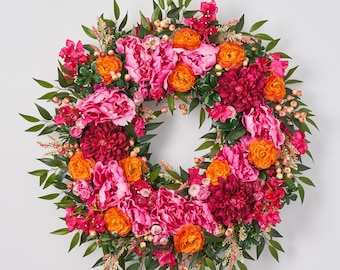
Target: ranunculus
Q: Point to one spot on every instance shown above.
(80, 167)
(200, 60)
(133, 167)
(236, 155)
(117, 222)
(189, 239)
(218, 168)
(262, 153)
(187, 38)
(298, 140)
(104, 142)
(107, 66)
(275, 88)
(107, 105)
(182, 78)
(231, 55)
(261, 123)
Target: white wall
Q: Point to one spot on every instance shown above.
(32, 32)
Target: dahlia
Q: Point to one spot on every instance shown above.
(242, 88)
(105, 142)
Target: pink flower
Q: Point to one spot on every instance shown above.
(67, 115)
(236, 155)
(209, 9)
(165, 257)
(111, 186)
(299, 142)
(200, 60)
(76, 132)
(72, 55)
(261, 123)
(221, 112)
(139, 125)
(82, 189)
(107, 105)
(198, 212)
(277, 66)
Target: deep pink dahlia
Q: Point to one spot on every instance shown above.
(105, 142)
(242, 88)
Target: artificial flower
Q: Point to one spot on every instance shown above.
(187, 38)
(182, 78)
(231, 55)
(80, 167)
(274, 89)
(189, 239)
(117, 222)
(108, 66)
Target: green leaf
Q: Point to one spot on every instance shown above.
(29, 118)
(91, 248)
(241, 265)
(61, 78)
(211, 135)
(74, 241)
(50, 180)
(123, 22)
(260, 247)
(264, 36)
(301, 193)
(43, 83)
(209, 262)
(189, 13)
(145, 22)
(290, 72)
(302, 167)
(274, 233)
(239, 25)
(49, 95)
(48, 129)
(205, 145)
(202, 117)
(174, 12)
(307, 181)
(257, 25)
(171, 103)
(62, 231)
(35, 128)
(134, 266)
(154, 174)
(89, 32)
(193, 104)
(271, 45)
(282, 54)
(161, 4)
(146, 138)
(50, 162)
(38, 172)
(152, 126)
(155, 13)
(116, 9)
(187, 3)
(174, 174)
(273, 252)
(43, 112)
(276, 245)
(214, 150)
(49, 196)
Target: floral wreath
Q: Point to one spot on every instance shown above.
(150, 215)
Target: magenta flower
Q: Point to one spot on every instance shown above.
(278, 66)
(165, 257)
(82, 189)
(261, 123)
(221, 112)
(67, 115)
(107, 105)
(299, 142)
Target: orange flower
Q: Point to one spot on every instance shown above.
(117, 222)
(217, 168)
(182, 78)
(262, 153)
(275, 88)
(133, 168)
(187, 38)
(189, 239)
(231, 55)
(80, 167)
(107, 66)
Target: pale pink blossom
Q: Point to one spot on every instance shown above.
(82, 189)
(221, 112)
(107, 105)
(76, 132)
(261, 123)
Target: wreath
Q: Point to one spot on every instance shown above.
(221, 210)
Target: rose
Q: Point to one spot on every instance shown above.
(117, 222)
(262, 153)
(133, 167)
(80, 167)
(82, 189)
(182, 78)
(231, 55)
(187, 38)
(274, 89)
(108, 66)
(189, 239)
(216, 169)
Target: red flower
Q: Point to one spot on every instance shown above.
(105, 142)
(242, 88)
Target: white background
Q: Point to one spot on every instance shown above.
(32, 33)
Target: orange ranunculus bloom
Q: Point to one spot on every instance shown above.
(107, 66)
(262, 153)
(80, 167)
(117, 221)
(182, 78)
(231, 55)
(187, 38)
(275, 88)
(133, 167)
(217, 168)
(189, 239)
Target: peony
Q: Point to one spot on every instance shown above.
(261, 123)
(107, 105)
(104, 142)
(242, 88)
